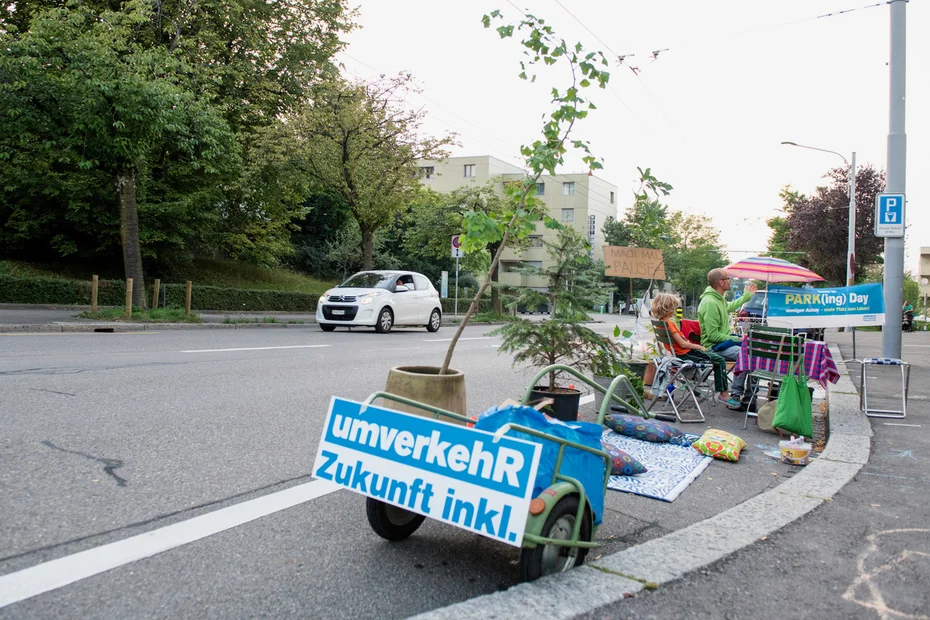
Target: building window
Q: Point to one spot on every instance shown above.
(535, 241)
(469, 170)
(568, 189)
(568, 215)
(540, 189)
(611, 197)
(427, 172)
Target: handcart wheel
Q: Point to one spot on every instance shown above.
(389, 521)
(548, 559)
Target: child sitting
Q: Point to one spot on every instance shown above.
(663, 308)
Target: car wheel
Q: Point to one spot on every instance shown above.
(385, 321)
(435, 319)
(327, 328)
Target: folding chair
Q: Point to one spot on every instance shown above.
(773, 343)
(678, 379)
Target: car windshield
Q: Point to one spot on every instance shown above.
(369, 279)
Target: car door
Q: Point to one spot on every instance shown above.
(406, 308)
(425, 299)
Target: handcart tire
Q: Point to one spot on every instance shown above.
(389, 521)
(547, 559)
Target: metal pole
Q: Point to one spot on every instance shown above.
(851, 243)
(456, 313)
(897, 168)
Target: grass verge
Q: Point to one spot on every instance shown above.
(157, 315)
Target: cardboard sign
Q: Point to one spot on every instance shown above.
(826, 307)
(633, 263)
(451, 473)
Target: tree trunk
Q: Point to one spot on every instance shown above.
(495, 270)
(129, 233)
(368, 248)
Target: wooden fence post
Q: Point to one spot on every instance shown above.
(128, 298)
(93, 294)
(187, 298)
(155, 294)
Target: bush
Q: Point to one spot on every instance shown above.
(448, 305)
(113, 293)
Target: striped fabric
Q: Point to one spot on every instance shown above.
(884, 361)
(771, 269)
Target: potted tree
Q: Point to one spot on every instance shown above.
(561, 339)
(518, 213)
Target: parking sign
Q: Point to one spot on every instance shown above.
(889, 215)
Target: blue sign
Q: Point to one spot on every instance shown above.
(889, 215)
(452, 473)
(826, 307)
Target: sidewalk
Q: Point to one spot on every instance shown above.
(26, 318)
(604, 583)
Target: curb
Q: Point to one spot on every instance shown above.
(138, 327)
(660, 561)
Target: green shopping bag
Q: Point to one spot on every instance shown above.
(793, 412)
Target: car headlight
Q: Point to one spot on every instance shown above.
(323, 297)
(367, 299)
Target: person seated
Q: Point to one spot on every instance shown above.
(663, 308)
(713, 316)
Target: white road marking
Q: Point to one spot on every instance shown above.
(461, 339)
(896, 424)
(587, 399)
(55, 574)
(296, 346)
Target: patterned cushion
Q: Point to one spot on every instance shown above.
(719, 444)
(641, 428)
(621, 463)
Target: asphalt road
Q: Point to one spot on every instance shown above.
(864, 555)
(109, 436)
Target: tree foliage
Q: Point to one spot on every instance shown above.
(165, 100)
(818, 225)
(359, 142)
(690, 244)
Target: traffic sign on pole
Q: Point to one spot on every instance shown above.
(889, 215)
(457, 251)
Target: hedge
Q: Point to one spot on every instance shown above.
(16, 290)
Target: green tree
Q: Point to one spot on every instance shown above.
(818, 225)
(359, 142)
(91, 100)
(692, 250)
(230, 65)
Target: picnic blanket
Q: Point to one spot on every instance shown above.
(671, 467)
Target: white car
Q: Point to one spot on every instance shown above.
(380, 299)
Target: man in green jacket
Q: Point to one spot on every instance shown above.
(714, 317)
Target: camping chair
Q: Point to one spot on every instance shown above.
(773, 343)
(677, 379)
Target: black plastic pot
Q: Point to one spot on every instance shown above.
(566, 403)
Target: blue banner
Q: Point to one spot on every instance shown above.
(826, 307)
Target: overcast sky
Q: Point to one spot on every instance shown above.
(730, 82)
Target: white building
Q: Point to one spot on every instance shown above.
(583, 201)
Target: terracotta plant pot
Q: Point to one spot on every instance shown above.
(566, 403)
(424, 384)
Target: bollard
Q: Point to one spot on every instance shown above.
(187, 298)
(94, 281)
(128, 298)
(155, 290)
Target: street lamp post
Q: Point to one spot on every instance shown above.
(851, 241)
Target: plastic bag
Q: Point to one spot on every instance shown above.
(583, 466)
(793, 412)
